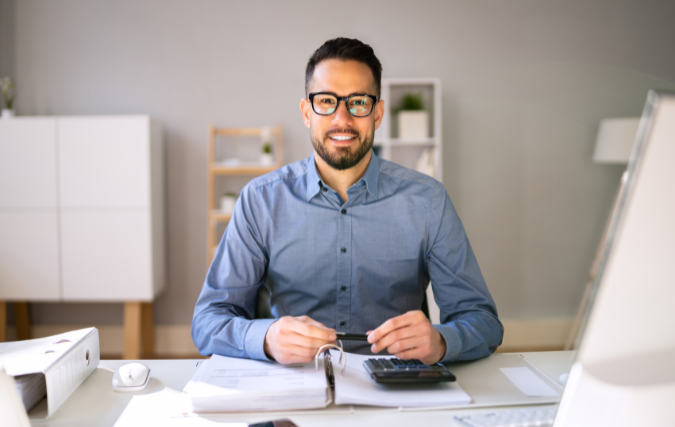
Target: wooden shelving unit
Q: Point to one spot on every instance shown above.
(218, 168)
(405, 151)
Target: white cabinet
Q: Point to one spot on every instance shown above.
(29, 266)
(81, 209)
(28, 163)
(104, 162)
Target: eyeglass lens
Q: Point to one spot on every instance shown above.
(358, 105)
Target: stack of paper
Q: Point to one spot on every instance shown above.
(357, 388)
(226, 384)
(32, 388)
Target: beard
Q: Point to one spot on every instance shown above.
(343, 157)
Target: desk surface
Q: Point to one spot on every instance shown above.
(94, 403)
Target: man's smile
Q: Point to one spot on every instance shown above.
(342, 139)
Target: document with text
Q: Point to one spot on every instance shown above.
(228, 384)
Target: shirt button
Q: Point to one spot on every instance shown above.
(343, 288)
(343, 250)
(343, 211)
(342, 324)
(324, 188)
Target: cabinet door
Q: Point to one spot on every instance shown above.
(29, 268)
(28, 163)
(106, 255)
(104, 161)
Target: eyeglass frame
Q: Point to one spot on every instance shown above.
(342, 98)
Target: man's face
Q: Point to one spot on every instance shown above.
(341, 139)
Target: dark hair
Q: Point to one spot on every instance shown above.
(345, 49)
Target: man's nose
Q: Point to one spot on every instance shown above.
(342, 117)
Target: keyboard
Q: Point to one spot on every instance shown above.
(406, 371)
(527, 417)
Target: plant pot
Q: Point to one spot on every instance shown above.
(413, 125)
(7, 113)
(227, 203)
(266, 159)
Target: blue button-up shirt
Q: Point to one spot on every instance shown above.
(349, 265)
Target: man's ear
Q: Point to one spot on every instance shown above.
(306, 110)
(379, 113)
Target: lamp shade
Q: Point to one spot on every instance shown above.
(615, 140)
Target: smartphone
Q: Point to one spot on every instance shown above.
(275, 423)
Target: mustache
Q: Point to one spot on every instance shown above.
(342, 131)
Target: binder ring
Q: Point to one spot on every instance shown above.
(325, 348)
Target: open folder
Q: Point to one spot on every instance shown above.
(226, 384)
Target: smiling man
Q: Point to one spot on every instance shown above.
(345, 241)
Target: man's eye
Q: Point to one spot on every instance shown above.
(327, 101)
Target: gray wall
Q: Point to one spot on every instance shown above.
(525, 84)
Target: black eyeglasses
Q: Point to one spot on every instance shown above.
(325, 103)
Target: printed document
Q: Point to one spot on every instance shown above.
(226, 384)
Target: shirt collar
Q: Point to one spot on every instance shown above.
(371, 177)
(313, 178)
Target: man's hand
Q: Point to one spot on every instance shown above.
(409, 336)
(296, 339)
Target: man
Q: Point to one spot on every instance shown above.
(345, 241)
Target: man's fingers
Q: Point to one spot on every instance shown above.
(398, 322)
(310, 328)
(395, 336)
(308, 320)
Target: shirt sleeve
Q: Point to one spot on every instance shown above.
(469, 321)
(223, 318)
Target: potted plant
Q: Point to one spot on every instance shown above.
(413, 120)
(227, 202)
(266, 157)
(7, 87)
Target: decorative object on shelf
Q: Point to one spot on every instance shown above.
(266, 157)
(7, 86)
(425, 162)
(413, 120)
(227, 202)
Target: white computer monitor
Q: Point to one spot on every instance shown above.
(624, 373)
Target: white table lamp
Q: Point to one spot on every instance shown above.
(615, 140)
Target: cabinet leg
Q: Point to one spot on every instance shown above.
(132, 330)
(147, 330)
(22, 319)
(3, 321)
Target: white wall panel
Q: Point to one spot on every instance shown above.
(29, 269)
(106, 255)
(28, 162)
(104, 161)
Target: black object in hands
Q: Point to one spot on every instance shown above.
(351, 337)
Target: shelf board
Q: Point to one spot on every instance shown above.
(427, 141)
(220, 216)
(395, 142)
(219, 169)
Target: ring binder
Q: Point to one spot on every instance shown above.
(326, 357)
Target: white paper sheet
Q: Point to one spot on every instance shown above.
(356, 387)
(528, 382)
(164, 408)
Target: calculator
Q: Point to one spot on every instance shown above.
(391, 371)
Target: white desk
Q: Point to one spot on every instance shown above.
(94, 403)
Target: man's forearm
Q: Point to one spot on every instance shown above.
(471, 336)
(219, 332)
